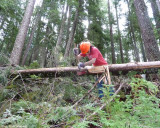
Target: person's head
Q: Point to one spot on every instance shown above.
(85, 47)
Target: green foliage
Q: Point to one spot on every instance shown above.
(8, 118)
(50, 104)
(61, 114)
(4, 74)
(84, 124)
(3, 78)
(26, 105)
(131, 73)
(11, 12)
(4, 60)
(5, 93)
(22, 119)
(141, 109)
(142, 83)
(34, 65)
(34, 77)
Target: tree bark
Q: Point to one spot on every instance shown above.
(156, 15)
(1, 26)
(143, 51)
(119, 35)
(38, 17)
(43, 56)
(133, 39)
(2, 23)
(19, 43)
(111, 35)
(112, 68)
(68, 25)
(35, 52)
(158, 4)
(60, 35)
(71, 35)
(50, 52)
(150, 44)
(58, 47)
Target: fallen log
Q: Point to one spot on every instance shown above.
(99, 69)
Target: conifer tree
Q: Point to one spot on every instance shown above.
(150, 44)
(19, 43)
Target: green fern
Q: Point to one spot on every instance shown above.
(139, 110)
(23, 119)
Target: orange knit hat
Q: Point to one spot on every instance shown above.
(85, 47)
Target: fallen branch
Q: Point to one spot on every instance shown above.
(101, 78)
(104, 105)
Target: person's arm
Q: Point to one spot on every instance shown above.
(82, 65)
(78, 57)
(76, 53)
(92, 61)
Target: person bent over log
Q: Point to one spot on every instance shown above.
(95, 58)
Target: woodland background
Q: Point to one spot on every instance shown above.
(44, 34)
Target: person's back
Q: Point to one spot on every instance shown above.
(95, 53)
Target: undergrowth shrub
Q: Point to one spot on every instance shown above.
(26, 105)
(21, 119)
(34, 65)
(48, 103)
(61, 114)
(4, 76)
(140, 109)
(4, 60)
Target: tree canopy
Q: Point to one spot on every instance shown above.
(115, 31)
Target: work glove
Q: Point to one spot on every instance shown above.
(75, 51)
(81, 65)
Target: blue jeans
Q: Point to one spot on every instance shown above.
(100, 89)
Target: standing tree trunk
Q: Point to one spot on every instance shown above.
(19, 43)
(1, 26)
(136, 51)
(158, 4)
(50, 56)
(142, 49)
(156, 15)
(38, 17)
(150, 44)
(111, 34)
(71, 35)
(35, 53)
(43, 56)
(119, 35)
(68, 24)
(2, 23)
(132, 35)
(60, 35)
(89, 19)
(58, 47)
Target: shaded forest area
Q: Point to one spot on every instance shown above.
(37, 34)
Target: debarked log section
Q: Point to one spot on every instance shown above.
(112, 68)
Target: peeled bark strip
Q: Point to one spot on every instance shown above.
(112, 67)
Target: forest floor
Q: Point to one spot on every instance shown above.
(36, 102)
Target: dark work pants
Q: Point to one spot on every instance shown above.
(100, 89)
